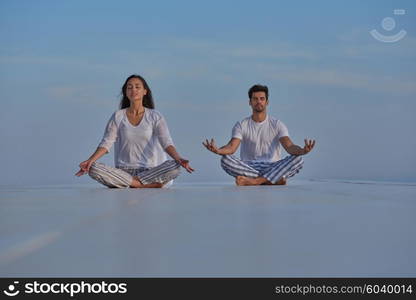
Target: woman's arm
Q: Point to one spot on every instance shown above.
(165, 140)
(171, 150)
(110, 136)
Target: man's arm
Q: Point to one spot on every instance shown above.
(295, 149)
(228, 149)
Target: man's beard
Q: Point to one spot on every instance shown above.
(259, 109)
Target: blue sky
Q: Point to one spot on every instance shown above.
(62, 64)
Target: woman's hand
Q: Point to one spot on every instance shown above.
(84, 167)
(185, 164)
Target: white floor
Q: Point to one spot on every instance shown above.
(305, 229)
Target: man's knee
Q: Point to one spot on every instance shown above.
(223, 158)
(297, 164)
(296, 159)
(224, 161)
(299, 160)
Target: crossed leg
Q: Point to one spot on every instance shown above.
(118, 178)
(259, 172)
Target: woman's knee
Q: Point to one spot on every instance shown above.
(174, 164)
(176, 172)
(93, 170)
(96, 172)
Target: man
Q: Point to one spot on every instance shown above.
(260, 137)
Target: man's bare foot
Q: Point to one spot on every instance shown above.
(137, 184)
(242, 180)
(282, 181)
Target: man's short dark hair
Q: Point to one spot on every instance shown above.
(258, 88)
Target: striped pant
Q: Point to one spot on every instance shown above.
(123, 177)
(272, 171)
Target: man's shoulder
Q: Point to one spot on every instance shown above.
(245, 121)
(275, 122)
(278, 127)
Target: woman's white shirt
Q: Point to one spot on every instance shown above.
(141, 146)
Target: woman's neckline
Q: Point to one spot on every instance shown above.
(140, 120)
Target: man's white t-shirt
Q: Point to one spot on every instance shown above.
(140, 146)
(260, 140)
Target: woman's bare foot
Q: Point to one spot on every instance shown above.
(155, 185)
(137, 184)
(242, 180)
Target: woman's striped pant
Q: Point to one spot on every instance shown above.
(123, 177)
(272, 171)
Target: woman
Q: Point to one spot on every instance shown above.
(141, 139)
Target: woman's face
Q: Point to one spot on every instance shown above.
(135, 90)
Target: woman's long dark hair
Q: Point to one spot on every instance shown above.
(147, 99)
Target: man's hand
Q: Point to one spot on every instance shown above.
(185, 164)
(309, 144)
(211, 146)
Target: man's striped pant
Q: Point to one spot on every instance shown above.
(272, 171)
(123, 177)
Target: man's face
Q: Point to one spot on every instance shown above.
(258, 101)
